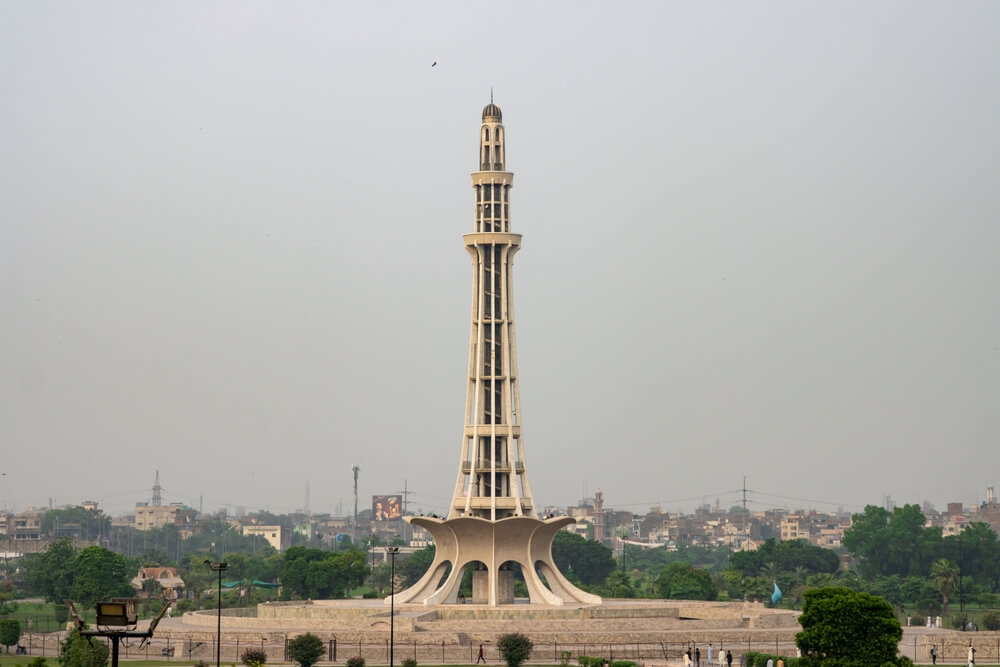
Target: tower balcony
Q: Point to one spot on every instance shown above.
(484, 465)
(502, 503)
(484, 430)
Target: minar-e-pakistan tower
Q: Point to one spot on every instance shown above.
(492, 522)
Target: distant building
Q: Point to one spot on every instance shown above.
(166, 579)
(276, 536)
(148, 517)
(794, 528)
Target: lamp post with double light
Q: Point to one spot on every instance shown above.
(218, 567)
(392, 551)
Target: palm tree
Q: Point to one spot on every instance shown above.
(944, 577)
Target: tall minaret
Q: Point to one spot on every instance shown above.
(492, 481)
(492, 524)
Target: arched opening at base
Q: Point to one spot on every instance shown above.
(475, 584)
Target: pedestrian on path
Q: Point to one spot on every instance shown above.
(480, 658)
(934, 654)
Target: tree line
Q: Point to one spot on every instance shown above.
(894, 555)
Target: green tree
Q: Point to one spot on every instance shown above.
(682, 581)
(10, 632)
(305, 649)
(618, 585)
(80, 651)
(944, 577)
(7, 594)
(197, 578)
(892, 543)
(317, 574)
(790, 556)
(50, 572)
(100, 574)
(976, 551)
(415, 566)
(582, 560)
(88, 524)
(515, 649)
(847, 629)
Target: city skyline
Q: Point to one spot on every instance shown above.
(427, 504)
(763, 242)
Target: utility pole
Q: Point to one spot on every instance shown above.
(406, 527)
(355, 469)
(745, 537)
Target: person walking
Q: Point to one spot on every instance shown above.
(709, 654)
(729, 659)
(722, 658)
(697, 657)
(934, 654)
(481, 658)
(972, 656)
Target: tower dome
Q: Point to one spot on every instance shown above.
(492, 111)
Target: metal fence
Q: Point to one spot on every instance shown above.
(952, 649)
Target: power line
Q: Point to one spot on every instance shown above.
(805, 500)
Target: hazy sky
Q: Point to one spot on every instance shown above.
(760, 239)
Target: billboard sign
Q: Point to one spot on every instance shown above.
(386, 508)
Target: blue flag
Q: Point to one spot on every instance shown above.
(776, 595)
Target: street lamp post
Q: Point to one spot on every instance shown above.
(392, 551)
(218, 567)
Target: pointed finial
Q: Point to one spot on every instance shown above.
(491, 94)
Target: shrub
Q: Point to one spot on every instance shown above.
(991, 620)
(564, 658)
(959, 621)
(356, 661)
(80, 651)
(201, 663)
(306, 649)
(515, 649)
(38, 662)
(623, 663)
(253, 656)
(918, 621)
(410, 662)
(10, 632)
(842, 626)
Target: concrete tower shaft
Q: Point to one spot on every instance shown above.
(492, 526)
(492, 482)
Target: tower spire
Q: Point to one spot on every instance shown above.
(157, 497)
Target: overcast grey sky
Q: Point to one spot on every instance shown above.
(760, 239)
